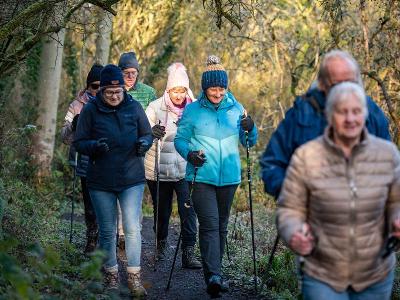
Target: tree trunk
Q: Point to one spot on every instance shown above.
(103, 40)
(48, 90)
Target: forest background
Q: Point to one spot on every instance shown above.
(271, 50)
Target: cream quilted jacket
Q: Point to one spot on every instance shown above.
(348, 203)
(172, 166)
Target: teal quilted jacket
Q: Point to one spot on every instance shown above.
(217, 132)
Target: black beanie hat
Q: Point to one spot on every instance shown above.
(111, 76)
(94, 74)
(128, 60)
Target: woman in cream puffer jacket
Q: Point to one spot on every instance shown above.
(164, 114)
(340, 202)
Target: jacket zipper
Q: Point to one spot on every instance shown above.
(353, 198)
(220, 151)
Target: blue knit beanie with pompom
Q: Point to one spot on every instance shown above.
(214, 75)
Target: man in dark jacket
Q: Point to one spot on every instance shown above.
(306, 120)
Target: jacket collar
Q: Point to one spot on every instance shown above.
(228, 101)
(328, 140)
(83, 96)
(319, 96)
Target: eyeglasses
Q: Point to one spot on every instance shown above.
(94, 86)
(110, 94)
(130, 74)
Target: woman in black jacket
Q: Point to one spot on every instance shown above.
(114, 132)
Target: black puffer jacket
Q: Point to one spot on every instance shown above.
(123, 126)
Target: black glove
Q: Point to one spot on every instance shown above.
(141, 147)
(158, 131)
(101, 146)
(246, 123)
(196, 158)
(75, 122)
(391, 245)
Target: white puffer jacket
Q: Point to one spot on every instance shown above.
(172, 166)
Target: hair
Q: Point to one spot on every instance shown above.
(323, 73)
(339, 94)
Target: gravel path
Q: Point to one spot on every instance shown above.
(186, 284)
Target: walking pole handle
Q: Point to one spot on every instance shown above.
(188, 203)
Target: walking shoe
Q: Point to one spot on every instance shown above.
(214, 285)
(189, 260)
(162, 249)
(135, 286)
(111, 281)
(91, 240)
(224, 286)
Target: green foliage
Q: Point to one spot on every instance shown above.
(36, 262)
(71, 67)
(281, 281)
(47, 272)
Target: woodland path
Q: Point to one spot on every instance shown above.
(186, 284)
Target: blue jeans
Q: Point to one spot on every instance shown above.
(314, 289)
(105, 205)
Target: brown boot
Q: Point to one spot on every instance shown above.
(111, 281)
(135, 285)
(189, 260)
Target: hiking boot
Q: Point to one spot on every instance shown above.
(91, 240)
(162, 249)
(189, 260)
(111, 281)
(135, 286)
(214, 286)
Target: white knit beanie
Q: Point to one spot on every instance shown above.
(177, 76)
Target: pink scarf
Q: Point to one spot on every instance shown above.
(175, 109)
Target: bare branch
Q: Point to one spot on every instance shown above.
(373, 75)
(26, 14)
(106, 5)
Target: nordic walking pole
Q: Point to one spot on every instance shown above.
(157, 170)
(251, 210)
(188, 205)
(227, 249)
(73, 197)
(271, 256)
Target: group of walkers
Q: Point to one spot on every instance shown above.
(175, 139)
(330, 165)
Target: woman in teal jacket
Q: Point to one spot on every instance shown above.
(208, 136)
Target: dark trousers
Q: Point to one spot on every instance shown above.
(90, 216)
(212, 205)
(166, 192)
